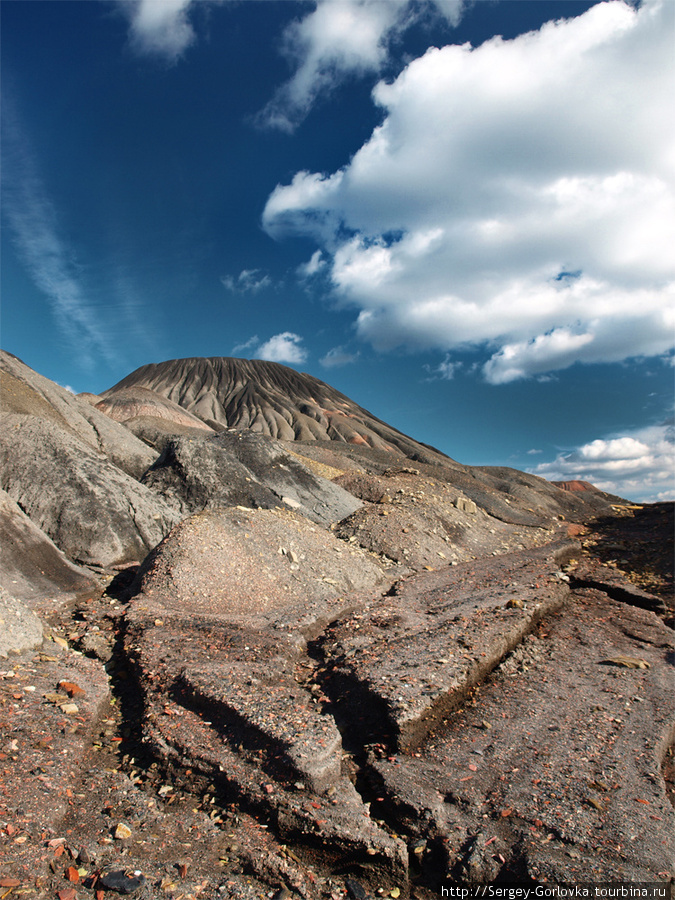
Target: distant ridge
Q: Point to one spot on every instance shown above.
(575, 486)
(264, 397)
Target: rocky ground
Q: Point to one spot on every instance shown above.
(319, 660)
(450, 756)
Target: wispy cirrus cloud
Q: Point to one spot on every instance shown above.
(312, 267)
(248, 281)
(444, 371)
(48, 256)
(337, 357)
(246, 347)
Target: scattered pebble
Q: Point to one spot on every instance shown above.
(122, 832)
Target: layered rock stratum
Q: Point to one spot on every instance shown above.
(257, 641)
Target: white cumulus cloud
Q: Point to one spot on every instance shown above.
(638, 465)
(340, 38)
(160, 27)
(283, 348)
(518, 196)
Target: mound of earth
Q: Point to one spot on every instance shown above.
(130, 403)
(26, 393)
(274, 400)
(267, 398)
(73, 471)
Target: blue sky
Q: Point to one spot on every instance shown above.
(460, 214)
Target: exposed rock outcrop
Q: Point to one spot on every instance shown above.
(73, 471)
(94, 512)
(157, 432)
(235, 468)
(32, 568)
(26, 393)
(556, 772)
(228, 602)
(483, 706)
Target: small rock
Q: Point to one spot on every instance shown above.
(122, 832)
(419, 847)
(515, 603)
(66, 894)
(73, 690)
(627, 662)
(121, 882)
(183, 869)
(73, 875)
(70, 709)
(97, 645)
(355, 890)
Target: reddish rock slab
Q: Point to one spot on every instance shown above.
(553, 770)
(415, 655)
